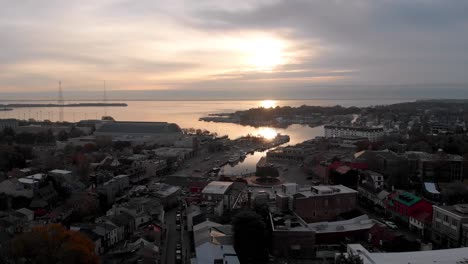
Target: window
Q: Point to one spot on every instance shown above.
(454, 222)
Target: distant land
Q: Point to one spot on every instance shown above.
(9, 106)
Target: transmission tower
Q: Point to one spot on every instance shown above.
(105, 98)
(60, 101)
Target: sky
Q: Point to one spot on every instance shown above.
(175, 49)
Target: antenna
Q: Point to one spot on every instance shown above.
(60, 102)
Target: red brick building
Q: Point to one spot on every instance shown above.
(323, 203)
(405, 205)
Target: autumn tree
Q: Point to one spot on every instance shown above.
(52, 244)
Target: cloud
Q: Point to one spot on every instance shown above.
(187, 45)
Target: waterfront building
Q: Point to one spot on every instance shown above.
(372, 134)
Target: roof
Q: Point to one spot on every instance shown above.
(37, 176)
(455, 255)
(431, 188)
(60, 172)
(407, 198)
(216, 187)
(139, 128)
(27, 181)
(308, 191)
(453, 209)
(382, 195)
(25, 211)
(358, 223)
(208, 252)
(205, 224)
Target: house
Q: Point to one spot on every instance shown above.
(167, 194)
(95, 238)
(26, 212)
(213, 244)
(447, 224)
(403, 205)
(109, 232)
(222, 195)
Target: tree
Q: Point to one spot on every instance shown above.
(52, 244)
(250, 237)
(455, 192)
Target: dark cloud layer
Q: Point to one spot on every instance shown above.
(380, 47)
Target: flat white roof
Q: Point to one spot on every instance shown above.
(216, 187)
(27, 181)
(444, 256)
(60, 171)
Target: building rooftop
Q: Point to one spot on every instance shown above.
(460, 210)
(407, 198)
(307, 191)
(208, 252)
(138, 128)
(56, 171)
(446, 256)
(27, 181)
(217, 187)
(357, 223)
(37, 176)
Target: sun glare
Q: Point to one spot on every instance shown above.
(268, 103)
(264, 53)
(267, 132)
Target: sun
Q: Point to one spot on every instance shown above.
(268, 103)
(264, 54)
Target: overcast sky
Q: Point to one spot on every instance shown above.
(234, 48)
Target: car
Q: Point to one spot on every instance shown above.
(391, 224)
(178, 227)
(178, 246)
(178, 258)
(178, 252)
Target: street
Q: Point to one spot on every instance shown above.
(173, 237)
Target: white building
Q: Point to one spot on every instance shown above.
(456, 255)
(372, 134)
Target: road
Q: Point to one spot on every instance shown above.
(172, 237)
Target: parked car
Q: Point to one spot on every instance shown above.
(178, 227)
(178, 246)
